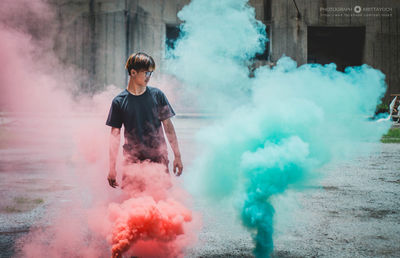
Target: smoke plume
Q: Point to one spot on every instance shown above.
(276, 130)
(151, 213)
(82, 215)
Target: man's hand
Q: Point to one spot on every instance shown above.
(114, 144)
(111, 178)
(171, 135)
(178, 167)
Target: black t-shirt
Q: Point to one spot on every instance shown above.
(141, 116)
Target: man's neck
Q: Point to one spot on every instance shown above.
(135, 89)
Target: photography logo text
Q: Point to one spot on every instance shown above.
(356, 11)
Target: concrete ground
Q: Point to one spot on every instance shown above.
(355, 212)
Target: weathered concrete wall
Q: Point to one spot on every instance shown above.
(259, 8)
(97, 36)
(382, 45)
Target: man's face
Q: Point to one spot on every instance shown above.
(142, 77)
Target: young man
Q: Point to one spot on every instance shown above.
(141, 109)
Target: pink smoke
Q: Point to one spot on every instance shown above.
(150, 214)
(85, 217)
(144, 219)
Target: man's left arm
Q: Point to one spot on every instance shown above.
(171, 135)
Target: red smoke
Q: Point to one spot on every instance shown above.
(146, 218)
(149, 214)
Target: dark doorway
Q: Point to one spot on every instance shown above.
(343, 46)
(172, 35)
(265, 56)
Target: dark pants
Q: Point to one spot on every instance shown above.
(140, 153)
(131, 160)
(139, 157)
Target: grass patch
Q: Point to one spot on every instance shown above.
(25, 200)
(6, 137)
(21, 204)
(390, 140)
(2, 133)
(38, 201)
(21, 200)
(11, 209)
(392, 136)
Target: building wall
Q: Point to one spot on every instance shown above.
(382, 45)
(97, 36)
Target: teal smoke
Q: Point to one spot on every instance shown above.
(277, 129)
(218, 40)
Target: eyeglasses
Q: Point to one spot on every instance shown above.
(148, 74)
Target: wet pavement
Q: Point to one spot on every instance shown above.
(353, 210)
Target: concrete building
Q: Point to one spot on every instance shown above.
(347, 33)
(100, 34)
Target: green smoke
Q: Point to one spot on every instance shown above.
(218, 40)
(276, 129)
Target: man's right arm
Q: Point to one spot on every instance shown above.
(115, 138)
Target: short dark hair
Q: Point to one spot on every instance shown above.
(140, 61)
